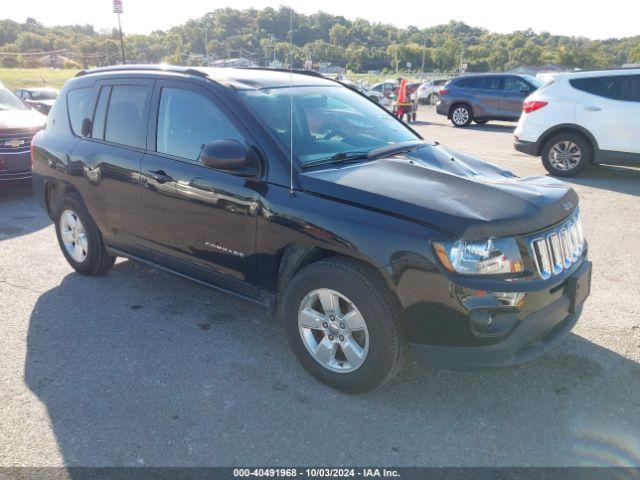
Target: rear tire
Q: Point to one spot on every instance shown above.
(566, 154)
(79, 238)
(315, 303)
(461, 115)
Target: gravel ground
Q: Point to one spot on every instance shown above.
(142, 368)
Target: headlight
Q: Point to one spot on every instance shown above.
(487, 257)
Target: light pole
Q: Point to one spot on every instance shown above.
(117, 8)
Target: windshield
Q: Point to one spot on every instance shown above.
(8, 101)
(327, 120)
(44, 94)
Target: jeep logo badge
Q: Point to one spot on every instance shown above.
(567, 206)
(15, 143)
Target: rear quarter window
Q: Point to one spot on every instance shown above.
(80, 106)
(616, 87)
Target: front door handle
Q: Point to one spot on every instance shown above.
(159, 176)
(591, 108)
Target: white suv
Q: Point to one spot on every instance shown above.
(582, 118)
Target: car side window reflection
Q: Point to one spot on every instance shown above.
(188, 120)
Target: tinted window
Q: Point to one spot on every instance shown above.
(327, 120)
(622, 87)
(489, 83)
(125, 116)
(516, 84)
(187, 121)
(100, 115)
(79, 105)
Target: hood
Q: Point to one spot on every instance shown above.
(21, 120)
(49, 101)
(451, 191)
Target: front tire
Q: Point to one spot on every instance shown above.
(342, 324)
(79, 238)
(566, 154)
(461, 115)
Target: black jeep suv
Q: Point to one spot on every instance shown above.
(300, 194)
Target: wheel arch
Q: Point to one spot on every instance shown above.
(569, 128)
(55, 189)
(295, 256)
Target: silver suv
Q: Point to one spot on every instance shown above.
(484, 97)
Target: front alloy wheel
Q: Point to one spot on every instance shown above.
(342, 323)
(333, 330)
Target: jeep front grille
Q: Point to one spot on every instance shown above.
(558, 248)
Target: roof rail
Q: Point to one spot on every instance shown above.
(149, 67)
(310, 73)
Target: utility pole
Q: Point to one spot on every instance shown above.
(424, 52)
(206, 45)
(117, 8)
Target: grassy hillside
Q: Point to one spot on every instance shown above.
(15, 78)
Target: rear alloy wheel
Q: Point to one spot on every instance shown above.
(342, 324)
(79, 237)
(566, 154)
(461, 116)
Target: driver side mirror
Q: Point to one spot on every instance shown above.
(229, 156)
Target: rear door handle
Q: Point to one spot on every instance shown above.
(159, 176)
(591, 108)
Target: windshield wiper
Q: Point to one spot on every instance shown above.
(340, 157)
(401, 147)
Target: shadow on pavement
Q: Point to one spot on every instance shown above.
(613, 178)
(142, 368)
(20, 214)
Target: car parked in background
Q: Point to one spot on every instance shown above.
(18, 125)
(583, 118)
(372, 95)
(484, 97)
(428, 91)
(40, 99)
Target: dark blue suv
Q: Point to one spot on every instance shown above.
(484, 97)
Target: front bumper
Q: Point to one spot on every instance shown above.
(530, 148)
(15, 168)
(533, 333)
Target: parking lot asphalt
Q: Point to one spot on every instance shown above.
(141, 368)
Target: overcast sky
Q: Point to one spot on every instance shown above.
(613, 18)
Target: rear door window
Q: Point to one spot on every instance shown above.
(126, 123)
(515, 84)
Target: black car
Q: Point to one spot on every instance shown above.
(18, 125)
(372, 242)
(484, 97)
(38, 98)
